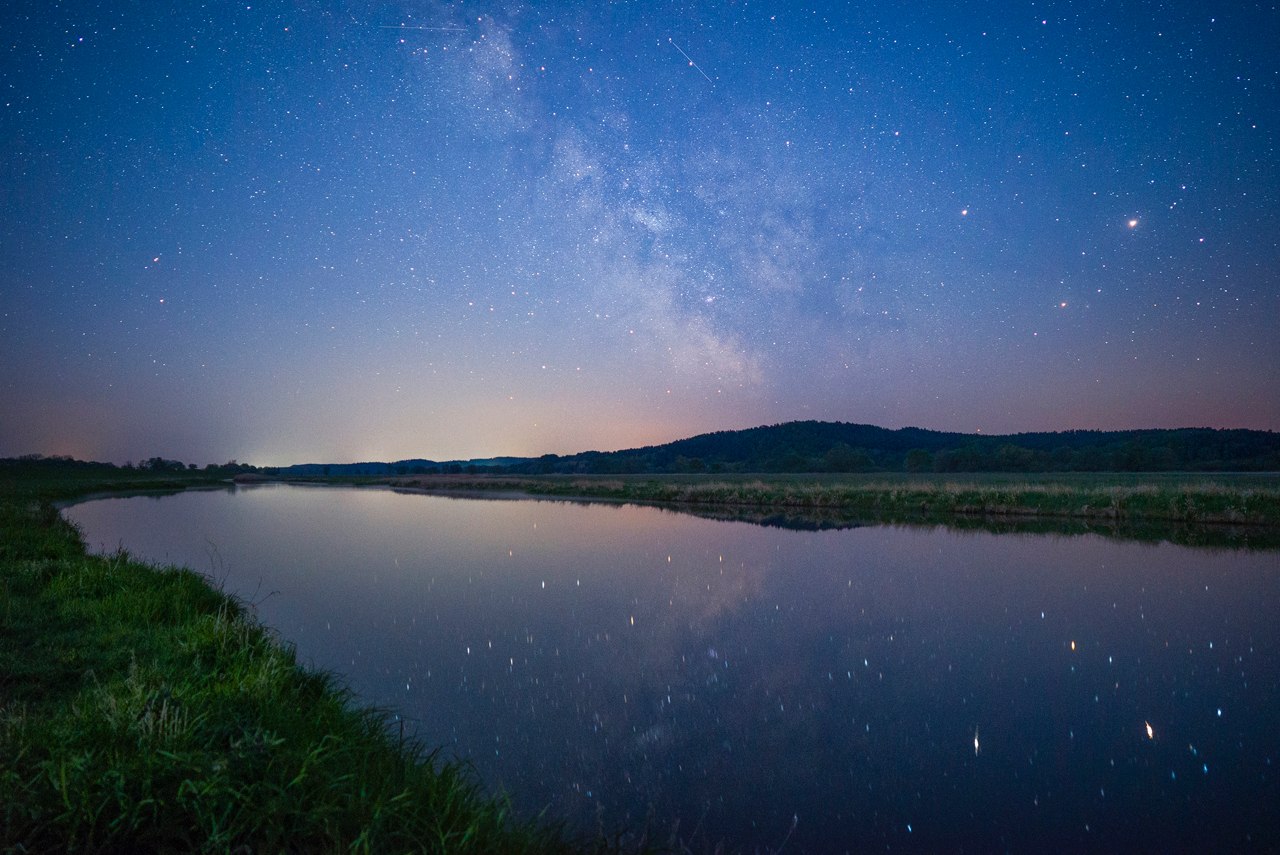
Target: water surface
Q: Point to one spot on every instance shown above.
(719, 682)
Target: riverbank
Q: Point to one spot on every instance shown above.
(1219, 499)
(143, 710)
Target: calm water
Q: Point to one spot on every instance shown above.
(878, 687)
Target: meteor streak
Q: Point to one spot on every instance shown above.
(691, 62)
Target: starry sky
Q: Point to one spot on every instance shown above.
(302, 231)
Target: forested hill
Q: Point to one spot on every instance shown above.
(839, 447)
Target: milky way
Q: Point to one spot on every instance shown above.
(303, 231)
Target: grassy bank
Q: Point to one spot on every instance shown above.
(142, 710)
(1217, 499)
(1221, 510)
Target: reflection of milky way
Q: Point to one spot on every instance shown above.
(989, 692)
(530, 228)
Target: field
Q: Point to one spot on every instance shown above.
(143, 710)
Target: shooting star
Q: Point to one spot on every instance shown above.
(691, 62)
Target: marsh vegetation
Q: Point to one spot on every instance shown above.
(1223, 509)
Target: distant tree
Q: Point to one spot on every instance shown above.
(546, 464)
(603, 464)
(793, 461)
(1061, 458)
(1014, 458)
(1162, 459)
(919, 460)
(1131, 457)
(968, 458)
(841, 457)
(689, 464)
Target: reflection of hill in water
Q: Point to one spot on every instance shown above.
(1254, 538)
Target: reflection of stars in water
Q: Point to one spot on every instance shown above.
(976, 745)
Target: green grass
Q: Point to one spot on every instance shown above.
(1219, 509)
(1224, 499)
(143, 710)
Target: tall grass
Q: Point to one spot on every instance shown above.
(1250, 500)
(1225, 510)
(143, 711)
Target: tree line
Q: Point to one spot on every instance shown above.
(156, 465)
(813, 446)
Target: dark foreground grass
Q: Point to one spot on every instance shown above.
(142, 711)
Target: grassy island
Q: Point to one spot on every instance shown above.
(143, 710)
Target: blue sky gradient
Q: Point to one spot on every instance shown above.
(296, 231)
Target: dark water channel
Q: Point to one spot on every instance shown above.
(862, 689)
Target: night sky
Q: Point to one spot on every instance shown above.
(287, 232)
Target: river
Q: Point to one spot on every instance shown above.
(713, 682)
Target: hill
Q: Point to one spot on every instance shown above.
(812, 446)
